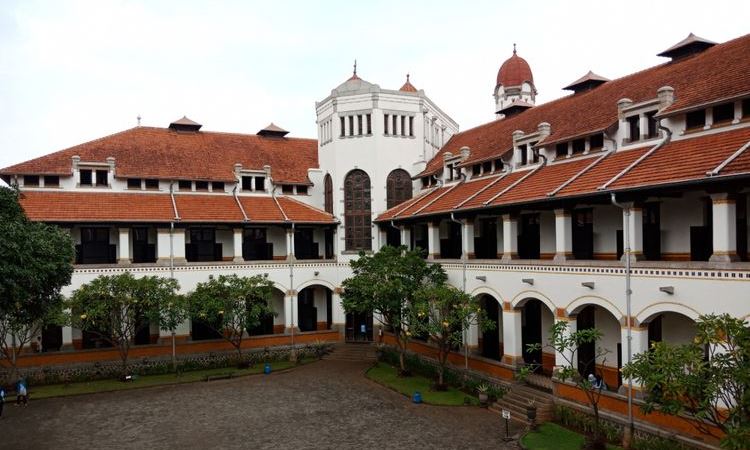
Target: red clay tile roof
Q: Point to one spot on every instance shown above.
(60, 206)
(685, 159)
(514, 71)
(408, 87)
(146, 152)
(720, 72)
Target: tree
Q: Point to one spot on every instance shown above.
(567, 344)
(443, 313)
(708, 378)
(231, 305)
(35, 263)
(173, 311)
(385, 284)
(116, 308)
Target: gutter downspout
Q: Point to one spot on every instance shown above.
(463, 284)
(171, 268)
(628, 292)
(239, 205)
(290, 251)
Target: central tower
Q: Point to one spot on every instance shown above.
(514, 90)
(371, 141)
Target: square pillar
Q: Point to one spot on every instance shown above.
(512, 344)
(339, 315)
(67, 338)
(170, 243)
(566, 359)
(467, 239)
(563, 235)
(433, 240)
(289, 244)
(406, 236)
(643, 119)
(499, 235)
(238, 245)
(290, 312)
(638, 343)
(510, 237)
(123, 246)
(724, 210)
(472, 336)
(382, 236)
(635, 230)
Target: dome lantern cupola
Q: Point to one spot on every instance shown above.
(515, 84)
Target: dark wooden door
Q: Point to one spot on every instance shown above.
(586, 352)
(491, 338)
(531, 332)
(583, 234)
(359, 327)
(652, 232)
(528, 237)
(307, 313)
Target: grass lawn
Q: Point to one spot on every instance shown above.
(388, 376)
(90, 387)
(550, 436)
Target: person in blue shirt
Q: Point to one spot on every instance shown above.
(22, 394)
(2, 400)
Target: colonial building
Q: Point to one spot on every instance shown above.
(545, 212)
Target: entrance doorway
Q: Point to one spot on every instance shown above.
(359, 327)
(491, 338)
(531, 332)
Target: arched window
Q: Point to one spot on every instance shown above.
(357, 215)
(328, 193)
(398, 187)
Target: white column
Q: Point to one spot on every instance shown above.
(643, 125)
(510, 237)
(467, 239)
(178, 244)
(566, 359)
(290, 311)
(382, 235)
(67, 338)
(635, 230)
(709, 118)
(406, 236)
(724, 211)
(639, 344)
(238, 245)
(512, 344)
(737, 112)
(123, 246)
(339, 316)
(336, 242)
(289, 244)
(563, 235)
(472, 337)
(433, 240)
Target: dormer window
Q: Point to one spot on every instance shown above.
(51, 181)
(653, 127)
(185, 185)
(86, 177)
(579, 146)
(287, 189)
(301, 190)
(524, 155)
(476, 170)
(634, 128)
(134, 183)
(31, 180)
(561, 150)
(101, 178)
(217, 186)
(486, 167)
(723, 113)
(746, 108)
(498, 165)
(201, 186)
(695, 119)
(596, 141)
(260, 184)
(152, 183)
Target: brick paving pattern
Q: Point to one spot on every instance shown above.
(327, 404)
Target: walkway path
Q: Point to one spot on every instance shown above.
(326, 404)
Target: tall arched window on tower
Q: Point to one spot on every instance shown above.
(398, 187)
(328, 193)
(357, 214)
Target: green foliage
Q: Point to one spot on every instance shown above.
(386, 283)
(231, 305)
(35, 263)
(388, 376)
(117, 307)
(678, 379)
(656, 443)
(585, 423)
(443, 312)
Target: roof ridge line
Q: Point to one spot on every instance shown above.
(578, 175)
(633, 164)
(727, 161)
(278, 205)
(512, 185)
(412, 201)
(474, 195)
(438, 197)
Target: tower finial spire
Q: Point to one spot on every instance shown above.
(355, 67)
(514, 48)
(407, 77)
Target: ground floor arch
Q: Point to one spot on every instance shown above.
(315, 308)
(490, 342)
(536, 321)
(603, 358)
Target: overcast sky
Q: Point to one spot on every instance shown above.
(75, 71)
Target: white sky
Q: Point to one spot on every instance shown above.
(71, 71)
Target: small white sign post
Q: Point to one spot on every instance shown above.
(506, 416)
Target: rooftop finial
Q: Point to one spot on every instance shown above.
(139, 120)
(407, 77)
(355, 67)
(514, 48)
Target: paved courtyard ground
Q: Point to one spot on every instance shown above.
(326, 404)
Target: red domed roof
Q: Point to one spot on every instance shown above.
(514, 71)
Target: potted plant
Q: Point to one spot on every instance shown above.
(531, 410)
(482, 391)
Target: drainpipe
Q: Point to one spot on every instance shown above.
(463, 284)
(628, 292)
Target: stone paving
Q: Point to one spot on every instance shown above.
(326, 404)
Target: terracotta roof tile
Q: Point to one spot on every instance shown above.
(722, 71)
(684, 159)
(146, 152)
(608, 168)
(300, 212)
(207, 208)
(62, 206)
(543, 181)
(456, 195)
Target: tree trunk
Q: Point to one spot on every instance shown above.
(174, 352)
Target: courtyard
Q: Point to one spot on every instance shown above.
(325, 404)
